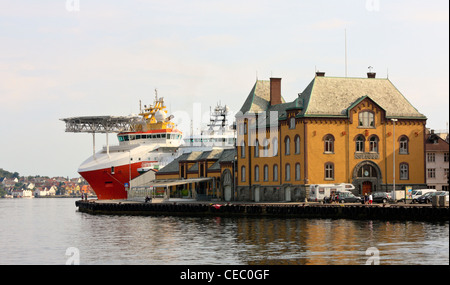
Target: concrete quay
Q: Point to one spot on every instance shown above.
(392, 212)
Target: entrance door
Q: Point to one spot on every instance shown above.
(287, 194)
(227, 193)
(366, 187)
(257, 194)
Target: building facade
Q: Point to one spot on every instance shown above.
(338, 130)
(200, 175)
(437, 162)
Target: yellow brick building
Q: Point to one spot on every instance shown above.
(338, 130)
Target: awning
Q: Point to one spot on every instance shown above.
(174, 182)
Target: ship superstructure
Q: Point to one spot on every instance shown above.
(219, 134)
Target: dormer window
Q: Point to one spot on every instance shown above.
(366, 119)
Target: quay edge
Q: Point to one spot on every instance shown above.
(361, 212)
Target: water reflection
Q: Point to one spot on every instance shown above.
(189, 240)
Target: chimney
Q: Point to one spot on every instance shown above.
(371, 74)
(275, 91)
(320, 73)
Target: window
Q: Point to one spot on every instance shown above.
(431, 157)
(431, 173)
(243, 173)
(446, 158)
(287, 146)
(366, 119)
(245, 128)
(403, 145)
(275, 172)
(256, 173)
(373, 144)
(367, 171)
(292, 123)
(360, 143)
(329, 171)
(297, 145)
(256, 148)
(288, 172)
(275, 146)
(404, 171)
(266, 173)
(329, 144)
(297, 171)
(243, 149)
(266, 148)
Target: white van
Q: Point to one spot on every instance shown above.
(317, 192)
(419, 192)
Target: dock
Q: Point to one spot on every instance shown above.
(391, 212)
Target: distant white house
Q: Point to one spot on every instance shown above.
(22, 193)
(44, 191)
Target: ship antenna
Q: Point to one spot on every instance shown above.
(156, 94)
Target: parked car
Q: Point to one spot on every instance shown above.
(380, 197)
(428, 197)
(419, 192)
(344, 197)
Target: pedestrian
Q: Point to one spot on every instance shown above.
(366, 199)
(370, 198)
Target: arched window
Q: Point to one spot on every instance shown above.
(328, 144)
(297, 144)
(366, 119)
(297, 171)
(367, 171)
(256, 148)
(287, 146)
(275, 172)
(404, 142)
(243, 149)
(329, 171)
(275, 146)
(288, 172)
(266, 173)
(373, 144)
(359, 146)
(292, 123)
(256, 173)
(266, 148)
(404, 171)
(243, 173)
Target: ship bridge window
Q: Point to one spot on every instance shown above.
(163, 136)
(123, 138)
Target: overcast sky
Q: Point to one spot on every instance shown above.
(65, 58)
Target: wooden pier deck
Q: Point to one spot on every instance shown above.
(288, 210)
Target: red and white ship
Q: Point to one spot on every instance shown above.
(147, 142)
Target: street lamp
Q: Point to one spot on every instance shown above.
(393, 163)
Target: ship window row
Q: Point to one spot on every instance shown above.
(148, 136)
(230, 140)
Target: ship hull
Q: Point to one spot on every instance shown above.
(109, 185)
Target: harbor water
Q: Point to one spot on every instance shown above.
(52, 231)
